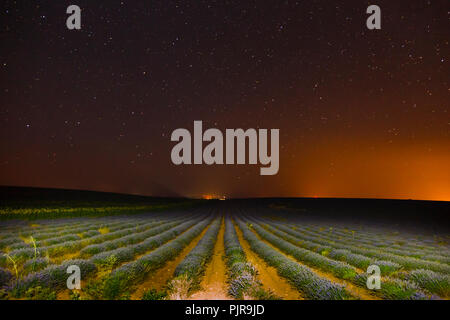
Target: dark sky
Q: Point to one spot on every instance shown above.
(361, 113)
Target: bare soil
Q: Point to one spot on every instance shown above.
(158, 279)
(268, 275)
(356, 291)
(213, 284)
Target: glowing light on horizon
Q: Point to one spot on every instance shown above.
(213, 197)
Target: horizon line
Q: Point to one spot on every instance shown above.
(199, 197)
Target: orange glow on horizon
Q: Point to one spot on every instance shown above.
(397, 172)
(213, 197)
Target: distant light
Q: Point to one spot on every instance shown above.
(213, 197)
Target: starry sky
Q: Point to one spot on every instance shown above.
(361, 113)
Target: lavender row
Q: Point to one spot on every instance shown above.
(121, 255)
(16, 242)
(21, 255)
(406, 262)
(406, 250)
(380, 241)
(127, 240)
(398, 289)
(55, 276)
(107, 254)
(121, 279)
(242, 275)
(301, 277)
(194, 264)
(433, 282)
(359, 261)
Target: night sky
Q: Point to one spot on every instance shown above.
(361, 113)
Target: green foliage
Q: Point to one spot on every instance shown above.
(39, 293)
(392, 290)
(432, 281)
(13, 261)
(260, 294)
(34, 265)
(4, 294)
(115, 286)
(153, 294)
(75, 295)
(94, 289)
(100, 289)
(108, 264)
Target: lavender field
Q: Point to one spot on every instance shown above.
(218, 252)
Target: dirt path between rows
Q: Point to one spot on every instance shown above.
(159, 278)
(213, 283)
(156, 280)
(268, 275)
(353, 289)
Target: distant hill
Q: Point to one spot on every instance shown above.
(30, 195)
(34, 203)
